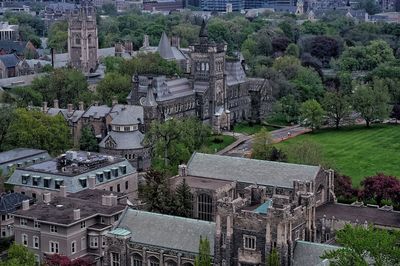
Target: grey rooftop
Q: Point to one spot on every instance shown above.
(250, 170)
(19, 153)
(171, 232)
(11, 201)
(309, 253)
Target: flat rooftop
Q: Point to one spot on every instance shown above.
(74, 163)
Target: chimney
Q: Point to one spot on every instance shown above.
(25, 205)
(118, 49)
(114, 101)
(55, 104)
(182, 169)
(92, 182)
(106, 200)
(77, 214)
(81, 106)
(45, 107)
(113, 200)
(63, 191)
(47, 197)
(70, 108)
(146, 42)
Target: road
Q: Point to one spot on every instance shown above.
(244, 149)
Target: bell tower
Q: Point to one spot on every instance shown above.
(82, 38)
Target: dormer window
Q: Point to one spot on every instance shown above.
(35, 180)
(99, 176)
(46, 181)
(114, 171)
(25, 178)
(83, 181)
(127, 128)
(58, 183)
(122, 168)
(107, 174)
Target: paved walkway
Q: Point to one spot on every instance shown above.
(243, 145)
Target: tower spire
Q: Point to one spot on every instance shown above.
(203, 32)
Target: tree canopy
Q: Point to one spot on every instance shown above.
(19, 255)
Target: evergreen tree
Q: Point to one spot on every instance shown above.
(204, 258)
(273, 258)
(88, 141)
(183, 200)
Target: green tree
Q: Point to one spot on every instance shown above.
(66, 85)
(371, 101)
(183, 200)
(306, 152)
(151, 63)
(262, 145)
(114, 85)
(204, 257)
(337, 106)
(308, 84)
(88, 141)
(19, 255)
(109, 9)
(312, 114)
(361, 246)
(273, 258)
(27, 96)
(293, 50)
(371, 6)
(34, 129)
(58, 36)
(6, 118)
(155, 192)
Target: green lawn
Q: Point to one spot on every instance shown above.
(358, 151)
(217, 143)
(250, 129)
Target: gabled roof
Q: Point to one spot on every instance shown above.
(250, 170)
(9, 60)
(171, 232)
(10, 202)
(164, 47)
(309, 253)
(124, 140)
(126, 115)
(9, 46)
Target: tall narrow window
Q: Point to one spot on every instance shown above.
(115, 260)
(137, 260)
(24, 240)
(35, 242)
(205, 207)
(73, 247)
(249, 242)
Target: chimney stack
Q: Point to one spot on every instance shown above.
(70, 108)
(91, 182)
(146, 42)
(77, 214)
(63, 191)
(47, 197)
(25, 205)
(81, 106)
(182, 170)
(55, 104)
(113, 200)
(45, 107)
(105, 200)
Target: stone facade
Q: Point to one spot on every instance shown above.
(82, 38)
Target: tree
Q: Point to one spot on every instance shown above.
(88, 141)
(19, 255)
(61, 260)
(292, 50)
(361, 246)
(34, 129)
(6, 117)
(273, 258)
(343, 187)
(312, 114)
(204, 257)
(150, 63)
(371, 101)
(262, 145)
(27, 96)
(381, 187)
(58, 36)
(155, 192)
(306, 152)
(337, 107)
(183, 200)
(324, 48)
(114, 85)
(277, 155)
(396, 112)
(109, 9)
(370, 6)
(308, 84)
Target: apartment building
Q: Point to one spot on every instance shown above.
(73, 172)
(74, 226)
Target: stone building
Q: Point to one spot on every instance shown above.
(73, 172)
(73, 225)
(9, 32)
(82, 38)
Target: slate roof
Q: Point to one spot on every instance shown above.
(9, 60)
(164, 47)
(72, 117)
(20, 80)
(352, 213)
(126, 114)
(250, 170)
(171, 232)
(97, 111)
(235, 73)
(11, 201)
(10, 46)
(19, 153)
(309, 253)
(124, 140)
(176, 88)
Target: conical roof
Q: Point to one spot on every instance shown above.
(203, 30)
(164, 47)
(149, 101)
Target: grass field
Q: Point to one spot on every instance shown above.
(358, 151)
(217, 143)
(250, 129)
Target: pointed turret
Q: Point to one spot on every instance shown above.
(164, 47)
(203, 32)
(149, 101)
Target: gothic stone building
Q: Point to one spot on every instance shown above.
(82, 38)
(216, 90)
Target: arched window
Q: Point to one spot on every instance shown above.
(136, 260)
(153, 261)
(203, 67)
(170, 263)
(205, 207)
